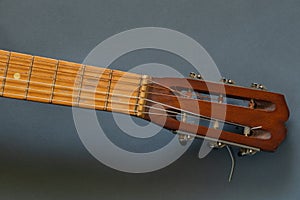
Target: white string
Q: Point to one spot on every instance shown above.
(232, 163)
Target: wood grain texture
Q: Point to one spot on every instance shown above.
(270, 120)
(60, 82)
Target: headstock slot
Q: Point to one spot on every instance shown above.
(228, 99)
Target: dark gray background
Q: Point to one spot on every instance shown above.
(41, 156)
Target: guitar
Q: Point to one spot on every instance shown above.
(252, 119)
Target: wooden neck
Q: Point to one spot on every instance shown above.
(47, 80)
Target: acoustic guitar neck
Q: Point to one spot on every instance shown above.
(46, 80)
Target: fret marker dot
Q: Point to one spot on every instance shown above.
(17, 76)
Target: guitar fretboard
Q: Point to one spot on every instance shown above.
(48, 80)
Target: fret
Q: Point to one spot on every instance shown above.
(80, 84)
(94, 87)
(67, 78)
(28, 80)
(41, 79)
(5, 57)
(17, 75)
(124, 90)
(67, 83)
(54, 80)
(108, 90)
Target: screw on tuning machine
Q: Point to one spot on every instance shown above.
(246, 152)
(248, 130)
(258, 86)
(216, 145)
(227, 81)
(184, 138)
(196, 76)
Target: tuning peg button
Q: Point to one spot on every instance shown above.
(184, 138)
(216, 145)
(194, 75)
(228, 81)
(258, 86)
(246, 152)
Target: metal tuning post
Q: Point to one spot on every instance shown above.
(195, 76)
(246, 152)
(218, 144)
(258, 86)
(248, 130)
(184, 138)
(227, 81)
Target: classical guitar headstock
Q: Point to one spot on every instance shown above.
(250, 118)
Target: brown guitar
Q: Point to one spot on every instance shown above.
(250, 118)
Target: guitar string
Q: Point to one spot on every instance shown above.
(63, 87)
(85, 90)
(66, 87)
(127, 75)
(65, 79)
(71, 67)
(113, 94)
(190, 114)
(94, 99)
(230, 176)
(174, 113)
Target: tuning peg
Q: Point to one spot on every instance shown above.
(228, 81)
(184, 138)
(216, 145)
(196, 76)
(246, 152)
(258, 86)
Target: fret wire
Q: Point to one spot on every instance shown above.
(108, 88)
(113, 109)
(68, 66)
(72, 95)
(80, 83)
(28, 80)
(86, 76)
(5, 74)
(191, 114)
(128, 75)
(62, 87)
(119, 109)
(67, 74)
(53, 82)
(63, 65)
(132, 97)
(70, 102)
(63, 79)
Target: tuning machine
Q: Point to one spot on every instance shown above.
(184, 138)
(258, 86)
(227, 81)
(195, 76)
(246, 152)
(216, 145)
